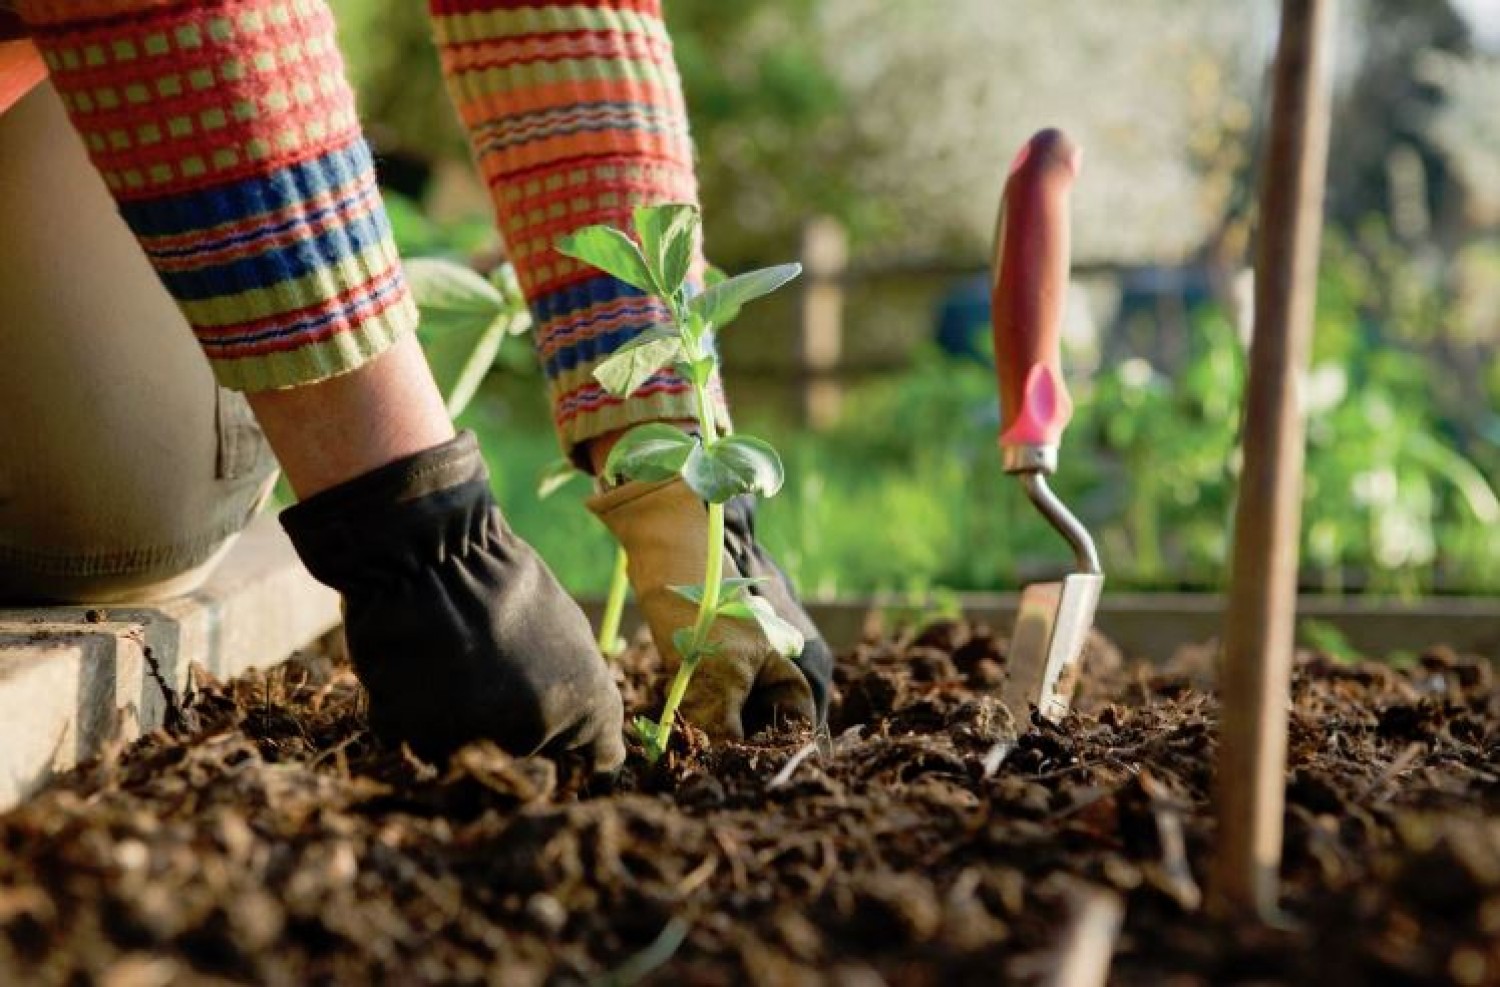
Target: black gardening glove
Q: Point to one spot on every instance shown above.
(457, 629)
(816, 660)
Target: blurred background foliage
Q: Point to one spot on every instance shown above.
(897, 118)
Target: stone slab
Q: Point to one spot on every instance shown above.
(75, 679)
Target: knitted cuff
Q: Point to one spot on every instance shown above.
(575, 114)
(227, 134)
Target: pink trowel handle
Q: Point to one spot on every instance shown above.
(1032, 256)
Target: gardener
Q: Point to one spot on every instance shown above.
(226, 135)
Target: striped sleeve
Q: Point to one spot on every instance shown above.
(227, 133)
(575, 115)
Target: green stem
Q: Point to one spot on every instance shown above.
(707, 611)
(713, 575)
(614, 608)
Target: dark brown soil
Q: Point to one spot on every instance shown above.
(264, 838)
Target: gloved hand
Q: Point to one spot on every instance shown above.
(746, 685)
(456, 628)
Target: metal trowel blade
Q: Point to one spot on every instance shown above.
(1046, 649)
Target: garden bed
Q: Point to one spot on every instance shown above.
(263, 837)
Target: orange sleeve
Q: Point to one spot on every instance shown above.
(21, 68)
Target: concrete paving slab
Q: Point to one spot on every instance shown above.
(74, 679)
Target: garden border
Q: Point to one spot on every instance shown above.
(1151, 626)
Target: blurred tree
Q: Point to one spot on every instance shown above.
(1389, 104)
(946, 93)
(766, 113)
(388, 49)
(1466, 129)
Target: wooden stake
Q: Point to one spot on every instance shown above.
(820, 343)
(1258, 639)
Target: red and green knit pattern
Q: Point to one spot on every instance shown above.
(575, 114)
(227, 133)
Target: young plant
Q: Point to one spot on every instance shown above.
(464, 319)
(557, 475)
(716, 466)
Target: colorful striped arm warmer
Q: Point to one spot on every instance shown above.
(227, 134)
(575, 114)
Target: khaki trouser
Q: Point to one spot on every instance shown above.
(124, 471)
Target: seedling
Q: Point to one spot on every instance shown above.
(557, 475)
(716, 466)
(464, 319)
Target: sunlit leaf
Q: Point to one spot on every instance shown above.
(682, 640)
(463, 321)
(650, 735)
(721, 303)
(612, 252)
(506, 282)
(728, 588)
(738, 464)
(481, 359)
(698, 371)
(668, 237)
(448, 292)
(785, 639)
(630, 366)
(652, 452)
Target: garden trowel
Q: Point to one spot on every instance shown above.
(1027, 299)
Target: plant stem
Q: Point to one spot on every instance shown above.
(713, 573)
(614, 608)
(707, 611)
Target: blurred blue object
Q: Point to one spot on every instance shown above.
(963, 319)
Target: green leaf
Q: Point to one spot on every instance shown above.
(735, 585)
(452, 293)
(698, 371)
(632, 365)
(722, 302)
(682, 640)
(554, 476)
(481, 359)
(508, 284)
(612, 252)
(651, 452)
(693, 594)
(668, 235)
(728, 588)
(650, 734)
(737, 464)
(464, 320)
(784, 638)
(737, 609)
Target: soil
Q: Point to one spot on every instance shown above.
(265, 838)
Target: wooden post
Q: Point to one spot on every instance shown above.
(1258, 638)
(820, 342)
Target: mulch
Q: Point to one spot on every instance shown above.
(264, 837)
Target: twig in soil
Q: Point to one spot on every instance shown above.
(1088, 945)
(793, 763)
(821, 744)
(1174, 862)
(731, 853)
(1166, 810)
(650, 959)
(848, 739)
(996, 755)
(1393, 770)
(337, 752)
(695, 878)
